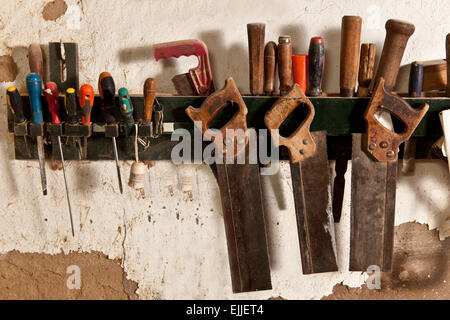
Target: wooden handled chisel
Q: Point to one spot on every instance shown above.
(374, 160)
(366, 68)
(310, 182)
(256, 33)
(270, 64)
(284, 57)
(350, 40)
(241, 194)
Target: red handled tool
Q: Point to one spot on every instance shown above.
(199, 80)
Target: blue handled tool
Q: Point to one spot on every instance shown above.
(34, 87)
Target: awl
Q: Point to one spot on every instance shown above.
(52, 96)
(34, 87)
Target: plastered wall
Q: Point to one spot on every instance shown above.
(173, 244)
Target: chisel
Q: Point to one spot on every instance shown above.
(366, 68)
(270, 64)
(15, 104)
(374, 182)
(52, 96)
(34, 87)
(350, 41)
(310, 182)
(256, 33)
(86, 100)
(414, 91)
(107, 90)
(149, 98)
(316, 60)
(284, 57)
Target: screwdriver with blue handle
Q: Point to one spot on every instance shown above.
(16, 106)
(52, 96)
(34, 87)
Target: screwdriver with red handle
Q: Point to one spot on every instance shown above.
(52, 96)
(86, 100)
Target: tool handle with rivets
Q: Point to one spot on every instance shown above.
(126, 106)
(86, 100)
(149, 98)
(316, 58)
(366, 68)
(284, 56)
(70, 105)
(397, 35)
(447, 52)
(350, 41)
(415, 79)
(34, 87)
(35, 60)
(52, 97)
(256, 33)
(270, 60)
(15, 104)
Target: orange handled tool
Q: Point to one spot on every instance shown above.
(149, 98)
(86, 100)
(300, 70)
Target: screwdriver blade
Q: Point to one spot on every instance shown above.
(117, 164)
(41, 156)
(65, 182)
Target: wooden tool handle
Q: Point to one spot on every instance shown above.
(397, 35)
(366, 68)
(415, 79)
(270, 60)
(350, 40)
(149, 98)
(35, 59)
(284, 55)
(447, 51)
(256, 32)
(316, 59)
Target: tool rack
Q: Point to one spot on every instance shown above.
(338, 116)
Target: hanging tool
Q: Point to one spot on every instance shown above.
(415, 91)
(366, 68)
(374, 180)
(350, 41)
(198, 82)
(256, 33)
(34, 87)
(35, 59)
(107, 90)
(270, 65)
(15, 104)
(138, 169)
(284, 56)
(86, 101)
(70, 106)
(149, 98)
(310, 182)
(52, 96)
(240, 190)
(316, 60)
(300, 70)
(126, 107)
(64, 64)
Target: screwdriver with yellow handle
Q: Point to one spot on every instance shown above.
(107, 90)
(15, 104)
(52, 97)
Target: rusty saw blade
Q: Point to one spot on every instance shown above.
(374, 173)
(241, 195)
(310, 183)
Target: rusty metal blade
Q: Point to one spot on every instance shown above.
(245, 229)
(311, 184)
(372, 211)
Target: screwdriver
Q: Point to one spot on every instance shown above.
(107, 90)
(34, 87)
(52, 96)
(70, 105)
(86, 100)
(126, 106)
(16, 106)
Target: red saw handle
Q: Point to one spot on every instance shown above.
(200, 75)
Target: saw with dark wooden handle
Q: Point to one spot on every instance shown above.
(310, 182)
(241, 194)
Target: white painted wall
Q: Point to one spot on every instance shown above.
(172, 246)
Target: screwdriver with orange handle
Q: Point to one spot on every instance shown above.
(52, 96)
(86, 100)
(107, 90)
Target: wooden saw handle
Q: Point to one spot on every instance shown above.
(397, 35)
(366, 68)
(350, 40)
(256, 32)
(300, 144)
